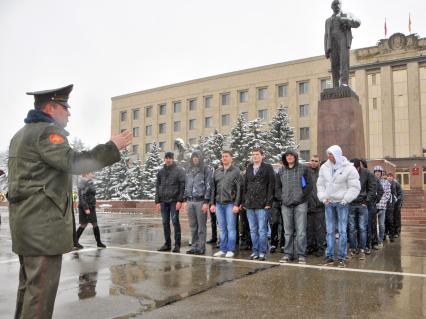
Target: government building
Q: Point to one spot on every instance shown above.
(389, 78)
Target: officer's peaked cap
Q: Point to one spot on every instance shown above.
(59, 95)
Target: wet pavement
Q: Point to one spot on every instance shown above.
(130, 279)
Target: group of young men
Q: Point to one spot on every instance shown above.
(300, 208)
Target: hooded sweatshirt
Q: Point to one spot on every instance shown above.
(339, 182)
(197, 180)
(290, 182)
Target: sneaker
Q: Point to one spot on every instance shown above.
(367, 251)
(285, 259)
(302, 260)
(376, 247)
(253, 256)
(165, 248)
(362, 254)
(219, 254)
(328, 261)
(229, 254)
(272, 249)
(352, 252)
(262, 257)
(396, 236)
(341, 263)
(380, 246)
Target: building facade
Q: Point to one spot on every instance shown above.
(389, 78)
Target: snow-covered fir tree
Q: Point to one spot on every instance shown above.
(135, 180)
(280, 136)
(119, 175)
(256, 137)
(3, 166)
(211, 147)
(103, 183)
(149, 175)
(78, 146)
(239, 139)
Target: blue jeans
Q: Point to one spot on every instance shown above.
(227, 221)
(295, 218)
(258, 221)
(381, 214)
(333, 210)
(358, 214)
(168, 209)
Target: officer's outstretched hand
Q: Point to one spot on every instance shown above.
(122, 140)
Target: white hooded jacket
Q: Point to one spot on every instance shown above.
(338, 183)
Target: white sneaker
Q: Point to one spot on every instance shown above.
(219, 254)
(229, 254)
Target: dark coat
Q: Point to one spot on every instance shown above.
(368, 191)
(86, 200)
(314, 204)
(41, 165)
(170, 185)
(259, 188)
(226, 186)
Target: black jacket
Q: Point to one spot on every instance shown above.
(368, 191)
(259, 188)
(86, 194)
(170, 185)
(314, 204)
(379, 190)
(226, 186)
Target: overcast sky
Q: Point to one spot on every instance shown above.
(108, 48)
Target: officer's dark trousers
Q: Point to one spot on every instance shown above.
(38, 284)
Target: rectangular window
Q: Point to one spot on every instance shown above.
(262, 93)
(304, 110)
(147, 147)
(162, 109)
(162, 128)
(136, 114)
(176, 126)
(148, 130)
(282, 90)
(148, 111)
(123, 116)
(245, 115)
(176, 107)
(263, 114)
(243, 96)
(192, 105)
(192, 141)
(135, 149)
(135, 132)
(304, 133)
(208, 122)
(325, 84)
(303, 88)
(305, 155)
(374, 103)
(225, 98)
(192, 123)
(226, 119)
(208, 101)
(373, 79)
(162, 146)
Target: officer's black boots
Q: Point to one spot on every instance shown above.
(97, 234)
(79, 232)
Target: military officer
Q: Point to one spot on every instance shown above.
(41, 164)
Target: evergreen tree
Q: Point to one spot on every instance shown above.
(3, 166)
(78, 146)
(239, 140)
(149, 175)
(256, 137)
(211, 147)
(135, 180)
(119, 177)
(103, 184)
(280, 136)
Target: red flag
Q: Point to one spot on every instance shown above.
(409, 22)
(386, 29)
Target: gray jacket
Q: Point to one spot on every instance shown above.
(197, 183)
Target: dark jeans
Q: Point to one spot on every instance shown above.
(277, 226)
(397, 217)
(372, 238)
(244, 228)
(167, 210)
(358, 217)
(213, 222)
(316, 231)
(389, 221)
